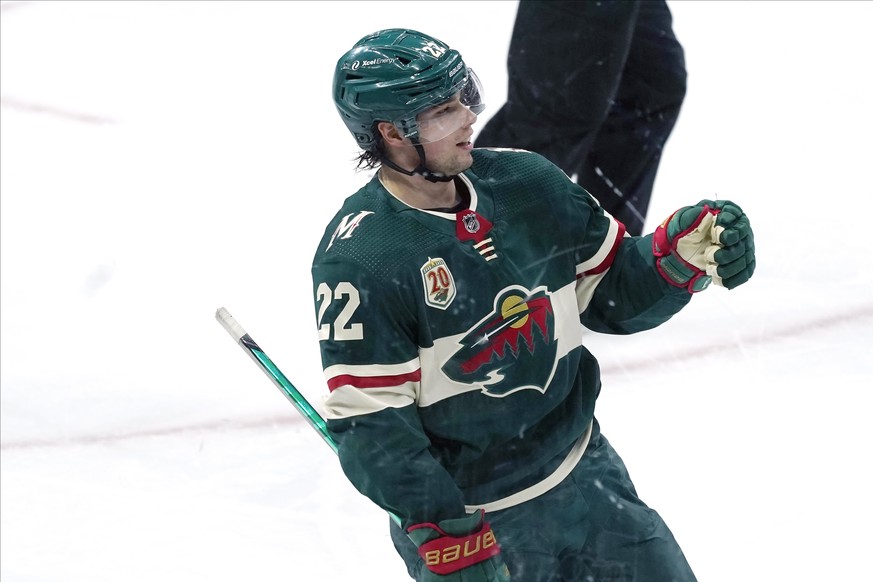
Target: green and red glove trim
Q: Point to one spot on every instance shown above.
(673, 267)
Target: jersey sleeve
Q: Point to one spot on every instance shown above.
(618, 287)
(632, 296)
(369, 348)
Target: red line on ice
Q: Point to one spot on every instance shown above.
(213, 426)
(799, 329)
(738, 343)
(31, 107)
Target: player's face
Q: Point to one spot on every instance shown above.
(445, 132)
(437, 123)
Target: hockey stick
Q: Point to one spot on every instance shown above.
(263, 361)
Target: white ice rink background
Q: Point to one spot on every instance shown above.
(163, 159)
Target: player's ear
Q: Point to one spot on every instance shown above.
(389, 133)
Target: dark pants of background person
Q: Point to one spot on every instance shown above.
(596, 87)
(591, 527)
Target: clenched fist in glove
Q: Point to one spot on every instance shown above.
(709, 242)
(459, 550)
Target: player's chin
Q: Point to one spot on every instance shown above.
(465, 161)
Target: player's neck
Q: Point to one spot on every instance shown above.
(418, 192)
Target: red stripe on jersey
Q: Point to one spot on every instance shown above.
(607, 262)
(373, 381)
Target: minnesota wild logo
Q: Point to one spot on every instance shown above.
(513, 348)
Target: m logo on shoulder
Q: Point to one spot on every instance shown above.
(347, 226)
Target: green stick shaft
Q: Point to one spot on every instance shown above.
(275, 374)
(263, 361)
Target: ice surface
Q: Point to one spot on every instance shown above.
(160, 160)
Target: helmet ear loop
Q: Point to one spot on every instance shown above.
(421, 169)
(422, 165)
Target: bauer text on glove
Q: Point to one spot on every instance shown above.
(460, 550)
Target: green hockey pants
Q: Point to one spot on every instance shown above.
(592, 527)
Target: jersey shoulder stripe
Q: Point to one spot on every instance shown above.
(363, 382)
(372, 375)
(603, 258)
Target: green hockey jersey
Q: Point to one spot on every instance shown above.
(452, 344)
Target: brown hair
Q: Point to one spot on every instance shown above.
(370, 159)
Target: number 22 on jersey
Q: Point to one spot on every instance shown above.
(341, 329)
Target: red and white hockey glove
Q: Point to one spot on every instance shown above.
(459, 550)
(708, 242)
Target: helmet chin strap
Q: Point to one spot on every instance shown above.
(421, 169)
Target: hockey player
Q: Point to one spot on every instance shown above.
(452, 293)
(595, 87)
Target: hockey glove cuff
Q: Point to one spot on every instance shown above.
(708, 242)
(459, 550)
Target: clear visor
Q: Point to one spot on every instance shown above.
(440, 121)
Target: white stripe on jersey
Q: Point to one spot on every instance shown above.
(348, 401)
(586, 284)
(602, 253)
(570, 461)
(347, 398)
(370, 370)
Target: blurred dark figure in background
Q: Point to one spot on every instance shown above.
(596, 87)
